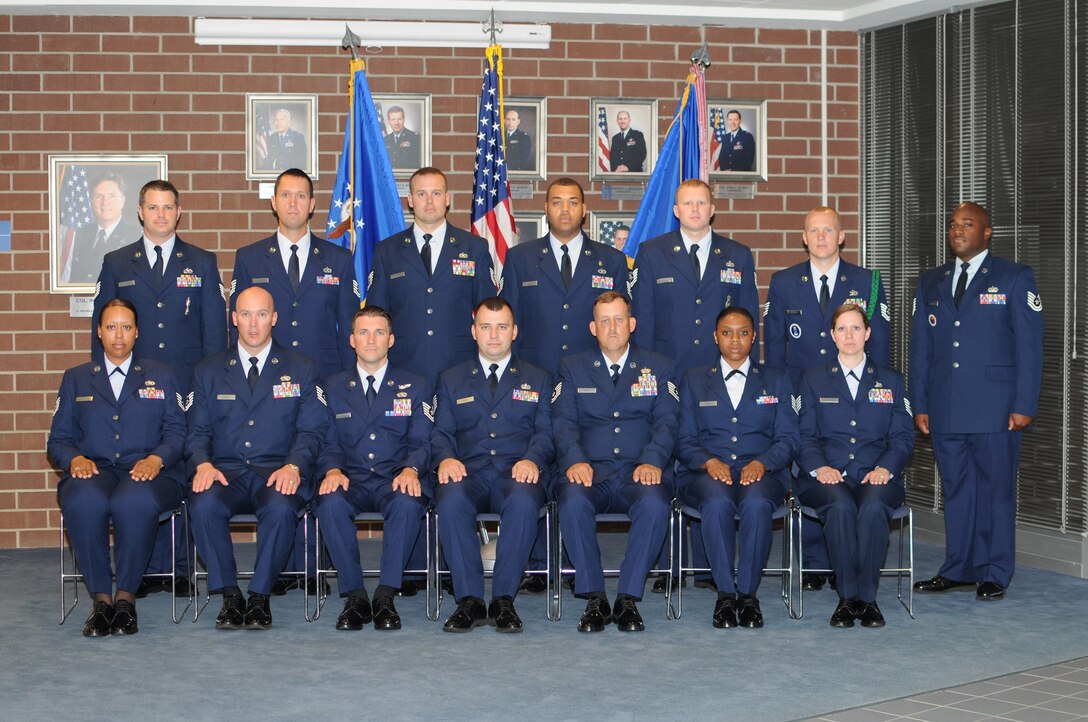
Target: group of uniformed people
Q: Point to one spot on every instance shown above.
(603, 388)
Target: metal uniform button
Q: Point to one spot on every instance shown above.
(430, 290)
(823, 351)
(615, 414)
(494, 415)
(698, 322)
(616, 450)
(373, 437)
(617, 429)
(294, 304)
(733, 438)
(853, 440)
(116, 417)
(493, 435)
(733, 457)
(823, 334)
(853, 422)
(295, 324)
(251, 422)
(955, 323)
(955, 364)
(162, 344)
(566, 327)
(698, 302)
(493, 452)
(565, 348)
(117, 456)
(248, 444)
(160, 304)
(116, 437)
(430, 332)
(566, 306)
(955, 344)
(430, 311)
(370, 455)
(696, 342)
(162, 325)
(294, 343)
(851, 457)
(733, 420)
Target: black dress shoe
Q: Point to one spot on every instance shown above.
(844, 614)
(869, 615)
(470, 613)
(411, 587)
(597, 616)
(625, 615)
(100, 621)
(503, 616)
(990, 591)
(941, 584)
(706, 583)
(447, 585)
(286, 584)
(258, 612)
(232, 615)
(812, 582)
(182, 587)
(356, 613)
(748, 613)
(833, 582)
(661, 582)
(385, 614)
(725, 613)
(124, 618)
(150, 585)
(533, 584)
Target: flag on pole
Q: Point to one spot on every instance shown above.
(75, 212)
(365, 206)
(682, 157)
(604, 149)
(492, 216)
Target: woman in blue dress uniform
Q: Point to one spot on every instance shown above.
(856, 438)
(117, 435)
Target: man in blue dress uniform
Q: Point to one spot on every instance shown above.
(797, 325)
(256, 428)
(738, 437)
(493, 441)
(976, 359)
(615, 420)
(374, 456)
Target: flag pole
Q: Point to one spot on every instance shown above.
(350, 42)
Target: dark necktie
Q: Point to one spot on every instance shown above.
(825, 294)
(854, 388)
(493, 378)
(695, 261)
(615, 373)
(734, 372)
(565, 268)
(157, 268)
(961, 284)
(292, 268)
(253, 373)
(100, 239)
(425, 253)
(371, 392)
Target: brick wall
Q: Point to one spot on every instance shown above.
(140, 84)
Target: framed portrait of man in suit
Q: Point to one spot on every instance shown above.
(406, 130)
(525, 137)
(92, 211)
(737, 134)
(281, 133)
(610, 227)
(530, 227)
(622, 138)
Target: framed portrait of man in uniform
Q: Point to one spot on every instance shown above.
(737, 133)
(281, 133)
(92, 211)
(610, 227)
(622, 139)
(406, 130)
(525, 133)
(531, 227)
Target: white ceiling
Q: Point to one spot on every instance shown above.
(813, 14)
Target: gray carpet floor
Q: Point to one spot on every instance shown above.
(791, 669)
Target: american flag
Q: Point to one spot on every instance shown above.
(717, 122)
(492, 217)
(264, 129)
(75, 212)
(603, 143)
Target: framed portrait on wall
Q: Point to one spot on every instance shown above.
(92, 211)
(281, 133)
(610, 227)
(531, 227)
(406, 130)
(525, 132)
(622, 138)
(737, 133)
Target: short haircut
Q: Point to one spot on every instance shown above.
(393, 109)
(622, 227)
(824, 209)
(119, 303)
(695, 183)
(731, 112)
(369, 311)
(737, 310)
(160, 185)
(493, 303)
(609, 297)
(295, 173)
(847, 308)
(285, 111)
(108, 176)
(566, 181)
(428, 170)
(970, 204)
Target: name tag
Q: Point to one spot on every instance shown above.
(148, 393)
(397, 275)
(527, 284)
(260, 280)
(646, 386)
(793, 312)
(466, 400)
(587, 390)
(881, 396)
(345, 415)
(602, 282)
(730, 275)
(462, 267)
(286, 390)
(84, 398)
(401, 407)
(124, 284)
(225, 397)
(765, 400)
(189, 280)
(523, 395)
(707, 403)
(991, 299)
(829, 400)
(667, 279)
(328, 280)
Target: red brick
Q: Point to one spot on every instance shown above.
(41, 24)
(69, 43)
(67, 82)
(165, 26)
(166, 103)
(743, 54)
(131, 44)
(99, 24)
(221, 64)
(26, 43)
(20, 82)
(132, 82)
(102, 63)
(73, 122)
(101, 101)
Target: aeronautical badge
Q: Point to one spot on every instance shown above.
(631, 281)
(401, 407)
(462, 267)
(525, 394)
(766, 399)
(604, 282)
(429, 409)
(932, 319)
(795, 402)
(1035, 302)
(673, 391)
(557, 391)
(730, 275)
(496, 280)
(795, 330)
(881, 396)
(401, 387)
(646, 384)
(152, 393)
(402, 394)
(286, 390)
